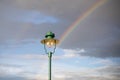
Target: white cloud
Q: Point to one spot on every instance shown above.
(61, 71)
(70, 53)
(93, 74)
(103, 62)
(6, 70)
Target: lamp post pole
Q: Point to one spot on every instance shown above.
(49, 41)
(49, 66)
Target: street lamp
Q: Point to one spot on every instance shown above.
(50, 42)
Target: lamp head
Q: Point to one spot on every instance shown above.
(49, 40)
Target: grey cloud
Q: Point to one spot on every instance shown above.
(15, 72)
(114, 69)
(12, 78)
(98, 33)
(52, 7)
(108, 51)
(111, 72)
(61, 9)
(102, 73)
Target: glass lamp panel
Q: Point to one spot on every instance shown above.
(50, 43)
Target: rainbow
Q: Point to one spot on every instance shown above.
(81, 18)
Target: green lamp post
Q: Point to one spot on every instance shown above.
(50, 42)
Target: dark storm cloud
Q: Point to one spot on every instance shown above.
(62, 10)
(98, 33)
(104, 52)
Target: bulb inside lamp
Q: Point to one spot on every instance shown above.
(50, 44)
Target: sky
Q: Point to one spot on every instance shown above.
(88, 31)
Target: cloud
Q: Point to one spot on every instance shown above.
(12, 78)
(111, 72)
(10, 70)
(23, 22)
(17, 72)
(36, 69)
(25, 10)
(69, 53)
(104, 62)
(33, 17)
(98, 34)
(90, 74)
